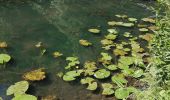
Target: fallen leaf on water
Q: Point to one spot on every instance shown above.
(3, 45)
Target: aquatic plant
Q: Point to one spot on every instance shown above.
(73, 62)
(19, 90)
(3, 45)
(71, 75)
(35, 75)
(107, 89)
(101, 74)
(93, 30)
(4, 58)
(57, 54)
(84, 42)
(92, 85)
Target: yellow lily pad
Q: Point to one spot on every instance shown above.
(106, 42)
(35, 75)
(132, 19)
(57, 54)
(122, 16)
(119, 52)
(143, 30)
(147, 36)
(150, 20)
(3, 45)
(85, 42)
(153, 28)
(93, 30)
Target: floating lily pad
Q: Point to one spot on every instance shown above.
(18, 88)
(106, 58)
(73, 62)
(111, 36)
(142, 25)
(3, 45)
(25, 97)
(150, 20)
(128, 24)
(120, 52)
(38, 45)
(143, 30)
(102, 73)
(122, 16)
(57, 54)
(35, 75)
(89, 68)
(121, 93)
(92, 85)
(85, 43)
(132, 19)
(119, 80)
(107, 89)
(106, 42)
(153, 28)
(147, 36)
(127, 34)
(126, 60)
(138, 73)
(136, 47)
(71, 75)
(108, 47)
(4, 58)
(113, 31)
(114, 23)
(94, 30)
(127, 71)
(111, 67)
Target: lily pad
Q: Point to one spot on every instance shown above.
(25, 97)
(143, 30)
(127, 24)
(106, 58)
(73, 62)
(150, 20)
(35, 75)
(89, 68)
(142, 25)
(71, 75)
(119, 80)
(122, 16)
(111, 67)
(127, 71)
(138, 73)
(4, 58)
(107, 89)
(136, 47)
(57, 54)
(111, 36)
(126, 60)
(106, 42)
(38, 45)
(108, 47)
(85, 42)
(114, 23)
(92, 85)
(102, 73)
(153, 28)
(127, 34)
(18, 88)
(147, 36)
(113, 31)
(132, 19)
(3, 45)
(121, 93)
(120, 52)
(94, 30)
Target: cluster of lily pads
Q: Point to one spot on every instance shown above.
(119, 60)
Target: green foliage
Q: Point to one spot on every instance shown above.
(102, 73)
(4, 58)
(71, 75)
(25, 97)
(119, 80)
(107, 89)
(92, 85)
(18, 88)
(73, 62)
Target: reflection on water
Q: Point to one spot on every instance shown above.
(58, 24)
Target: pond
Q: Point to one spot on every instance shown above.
(59, 25)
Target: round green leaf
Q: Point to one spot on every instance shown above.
(4, 58)
(107, 89)
(138, 73)
(102, 73)
(92, 85)
(18, 88)
(71, 75)
(121, 93)
(111, 67)
(25, 97)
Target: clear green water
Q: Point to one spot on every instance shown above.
(58, 24)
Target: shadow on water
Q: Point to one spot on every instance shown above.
(58, 24)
